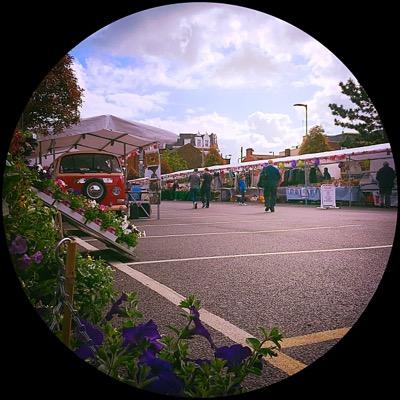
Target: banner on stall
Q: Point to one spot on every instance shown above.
(328, 196)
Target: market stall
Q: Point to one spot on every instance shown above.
(352, 172)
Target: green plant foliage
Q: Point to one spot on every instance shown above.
(139, 355)
(94, 287)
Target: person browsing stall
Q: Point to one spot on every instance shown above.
(194, 183)
(242, 190)
(385, 177)
(269, 181)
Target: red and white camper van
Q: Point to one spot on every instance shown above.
(96, 175)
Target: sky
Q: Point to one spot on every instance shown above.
(215, 68)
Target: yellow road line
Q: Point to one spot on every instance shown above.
(285, 363)
(312, 338)
(291, 365)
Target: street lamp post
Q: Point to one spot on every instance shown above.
(305, 163)
(305, 106)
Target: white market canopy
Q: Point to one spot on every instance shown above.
(104, 133)
(333, 156)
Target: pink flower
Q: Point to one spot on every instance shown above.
(102, 207)
(60, 183)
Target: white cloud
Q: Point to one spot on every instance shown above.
(204, 45)
(262, 131)
(107, 91)
(136, 64)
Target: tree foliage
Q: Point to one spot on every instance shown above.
(363, 118)
(171, 161)
(315, 141)
(55, 104)
(192, 155)
(213, 158)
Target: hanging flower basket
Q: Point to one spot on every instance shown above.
(45, 197)
(63, 208)
(77, 216)
(130, 248)
(110, 234)
(95, 225)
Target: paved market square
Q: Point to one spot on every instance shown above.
(308, 271)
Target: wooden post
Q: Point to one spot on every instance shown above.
(69, 292)
(59, 225)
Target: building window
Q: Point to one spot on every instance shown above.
(206, 143)
(186, 141)
(198, 143)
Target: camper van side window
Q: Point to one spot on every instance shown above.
(67, 165)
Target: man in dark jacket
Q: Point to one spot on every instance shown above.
(206, 188)
(385, 177)
(269, 180)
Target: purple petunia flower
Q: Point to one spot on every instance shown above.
(199, 328)
(23, 262)
(233, 355)
(37, 257)
(146, 331)
(26, 260)
(96, 339)
(116, 307)
(19, 245)
(166, 381)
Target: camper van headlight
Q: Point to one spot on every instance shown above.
(116, 190)
(107, 180)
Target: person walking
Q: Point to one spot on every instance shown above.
(269, 180)
(175, 187)
(242, 190)
(206, 188)
(385, 177)
(194, 184)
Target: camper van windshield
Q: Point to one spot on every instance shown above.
(89, 163)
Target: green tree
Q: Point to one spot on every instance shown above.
(315, 141)
(55, 104)
(213, 158)
(171, 161)
(363, 118)
(165, 167)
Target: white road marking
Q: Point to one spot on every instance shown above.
(202, 223)
(282, 361)
(277, 253)
(251, 232)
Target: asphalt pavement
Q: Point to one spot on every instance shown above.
(310, 272)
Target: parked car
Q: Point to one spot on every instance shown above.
(96, 175)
